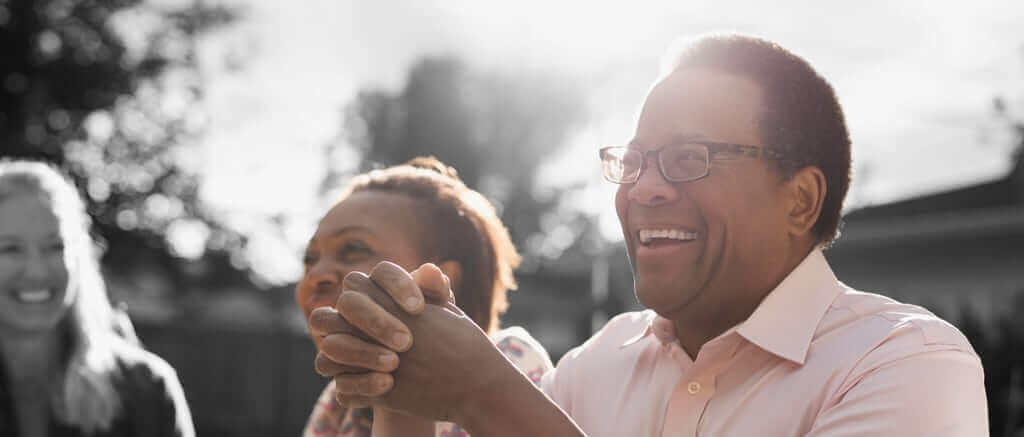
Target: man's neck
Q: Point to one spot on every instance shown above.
(696, 325)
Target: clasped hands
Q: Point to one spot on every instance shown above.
(395, 339)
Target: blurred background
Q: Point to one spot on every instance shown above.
(209, 136)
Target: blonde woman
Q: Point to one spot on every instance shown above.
(65, 369)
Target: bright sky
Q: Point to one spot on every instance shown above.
(916, 79)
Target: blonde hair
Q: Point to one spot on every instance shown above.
(86, 397)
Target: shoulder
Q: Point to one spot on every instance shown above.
(903, 370)
(524, 351)
(878, 333)
(140, 366)
(886, 325)
(151, 387)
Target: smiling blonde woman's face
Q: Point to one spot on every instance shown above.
(363, 229)
(34, 294)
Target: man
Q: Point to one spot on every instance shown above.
(730, 188)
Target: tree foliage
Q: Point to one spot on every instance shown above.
(495, 128)
(108, 89)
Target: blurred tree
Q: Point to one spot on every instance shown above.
(107, 89)
(496, 129)
(1016, 127)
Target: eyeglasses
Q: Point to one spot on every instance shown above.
(680, 162)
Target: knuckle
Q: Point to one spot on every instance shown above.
(355, 281)
(339, 349)
(356, 308)
(324, 366)
(351, 401)
(323, 320)
(346, 299)
(379, 326)
(390, 276)
(382, 273)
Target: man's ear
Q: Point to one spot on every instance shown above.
(807, 190)
(453, 270)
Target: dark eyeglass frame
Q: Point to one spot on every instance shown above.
(712, 150)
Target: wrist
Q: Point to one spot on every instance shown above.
(512, 406)
(388, 422)
(491, 398)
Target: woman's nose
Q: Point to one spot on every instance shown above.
(324, 273)
(36, 266)
(325, 280)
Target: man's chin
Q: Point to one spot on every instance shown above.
(658, 299)
(664, 297)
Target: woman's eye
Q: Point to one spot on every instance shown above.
(354, 250)
(9, 249)
(308, 259)
(56, 247)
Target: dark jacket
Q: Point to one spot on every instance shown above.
(152, 401)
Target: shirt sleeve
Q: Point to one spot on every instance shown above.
(932, 393)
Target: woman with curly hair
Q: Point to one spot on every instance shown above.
(412, 214)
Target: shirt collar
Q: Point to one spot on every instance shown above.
(786, 320)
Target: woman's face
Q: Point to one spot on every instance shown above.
(363, 229)
(34, 293)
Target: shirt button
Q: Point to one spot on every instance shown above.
(693, 388)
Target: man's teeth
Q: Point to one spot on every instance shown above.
(34, 296)
(646, 235)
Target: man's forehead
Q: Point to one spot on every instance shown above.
(699, 103)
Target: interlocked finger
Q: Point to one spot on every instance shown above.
(435, 285)
(399, 284)
(367, 384)
(326, 320)
(351, 401)
(368, 316)
(345, 349)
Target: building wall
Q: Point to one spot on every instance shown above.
(980, 272)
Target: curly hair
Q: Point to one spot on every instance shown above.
(460, 225)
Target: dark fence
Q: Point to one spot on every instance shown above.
(240, 382)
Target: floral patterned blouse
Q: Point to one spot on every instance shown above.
(329, 419)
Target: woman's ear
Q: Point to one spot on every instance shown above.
(453, 270)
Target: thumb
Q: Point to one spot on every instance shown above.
(434, 284)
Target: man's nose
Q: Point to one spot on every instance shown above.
(651, 188)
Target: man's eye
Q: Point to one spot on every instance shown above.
(308, 259)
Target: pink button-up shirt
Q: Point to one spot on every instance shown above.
(816, 358)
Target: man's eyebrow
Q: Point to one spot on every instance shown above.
(676, 139)
(685, 137)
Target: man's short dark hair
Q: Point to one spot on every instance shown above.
(801, 115)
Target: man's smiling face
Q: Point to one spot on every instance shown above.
(697, 247)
